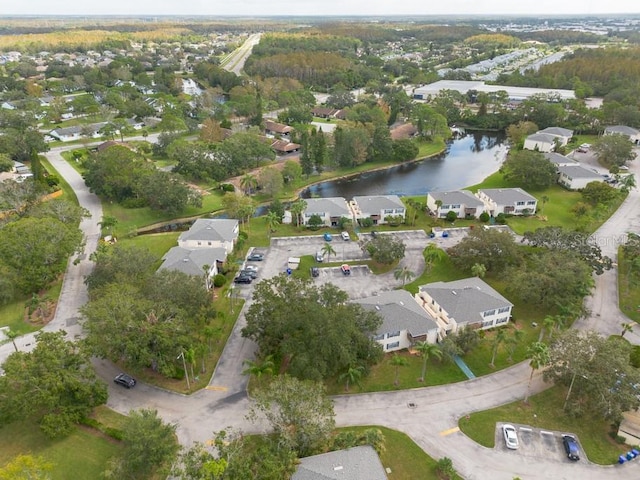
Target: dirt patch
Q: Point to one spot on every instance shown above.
(39, 311)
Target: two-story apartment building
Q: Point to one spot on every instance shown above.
(377, 208)
(330, 210)
(576, 177)
(195, 261)
(211, 233)
(469, 302)
(462, 202)
(631, 133)
(511, 201)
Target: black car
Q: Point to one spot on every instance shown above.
(255, 257)
(315, 272)
(249, 273)
(571, 447)
(242, 279)
(125, 380)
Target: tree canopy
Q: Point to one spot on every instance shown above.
(614, 150)
(495, 249)
(385, 249)
(529, 169)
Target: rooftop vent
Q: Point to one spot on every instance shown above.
(454, 292)
(377, 307)
(338, 468)
(401, 303)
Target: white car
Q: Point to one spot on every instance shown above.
(251, 268)
(345, 236)
(510, 437)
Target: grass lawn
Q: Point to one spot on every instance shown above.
(68, 194)
(83, 454)
(628, 289)
(403, 456)
(157, 243)
(545, 411)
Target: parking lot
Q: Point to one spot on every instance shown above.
(537, 443)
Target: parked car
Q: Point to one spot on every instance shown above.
(345, 236)
(623, 167)
(315, 272)
(327, 237)
(251, 268)
(319, 257)
(242, 279)
(374, 234)
(249, 273)
(346, 269)
(255, 257)
(571, 447)
(584, 148)
(125, 380)
(510, 437)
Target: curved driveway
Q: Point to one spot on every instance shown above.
(431, 420)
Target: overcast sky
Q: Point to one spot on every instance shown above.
(314, 7)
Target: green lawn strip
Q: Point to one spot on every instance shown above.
(403, 456)
(545, 411)
(441, 271)
(83, 454)
(628, 289)
(157, 243)
(68, 194)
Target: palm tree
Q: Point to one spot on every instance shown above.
(248, 183)
(499, 338)
(547, 325)
(328, 250)
(11, 335)
(297, 209)
(352, 376)
(403, 274)
(108, 222)
(397, 361)
(544, 200)
(257, 368)
(513, 341)
(478, 270)
(432, 254)
(626, 327)
(538, 354)
(273, 220)
(427, 350)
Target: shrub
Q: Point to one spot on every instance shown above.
(451, 216)
(227, 187)
(501, 218)
(484, 217)
(219, 280)
(366, 222)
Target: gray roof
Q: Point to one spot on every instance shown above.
(94, 127)
(542, 137)
(576, 171)
(463, 86)
(465, 300)
(373, 204)
(399, 311)
(192, 261)
(211, 229)
(334, 206)
(621, 129)
(357, 463)
(462, 197)
(558, 159)
(507, 196)
(559, 131)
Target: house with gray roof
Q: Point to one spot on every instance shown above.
(510, 201)
(404, 321)
(211, 233)
(559, 160)
(631, 133)
(469, 302)
(542, 142)
(463, 202)
(330, 210)
(357, 463)
(377, 208)
(563, 134)
(76, 132)
(194, 261)
(575, 177)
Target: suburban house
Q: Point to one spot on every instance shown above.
(510, 201)
(542, 142)
(631, 133)
(326, 112)
(357, 463)
(19, 173)
(135, 124)
(195, 261)
(562, 134)
(76, 132)
(282, 147)
(404, 321)
(377, 208)
(277, 129)
(463, 202)
(330, 210)
(211, 233)
(469, 302)
(560, 160)
(575, 177)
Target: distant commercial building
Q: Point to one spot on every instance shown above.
(515, 94)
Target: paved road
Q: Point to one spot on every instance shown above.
(236, 60)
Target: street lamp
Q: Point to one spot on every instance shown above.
(184, 364)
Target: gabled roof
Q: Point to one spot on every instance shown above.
(542, 137)
(211, 229)
(462, 197)
(558, 159)
(621, 129)
(399, 311)
(576, 171)
(192, 261)
(507, 196)
(94, 127)
(374, 203)
(357, 463)
(465, 300)
(284, 146)
(277, 127)
(558, 131)
(334, 206)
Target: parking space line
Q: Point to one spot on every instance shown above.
(525, 429)
(544, 432)
(444, 433)
(216, 388)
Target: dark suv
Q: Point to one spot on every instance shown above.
(571, 447)
(125, 380)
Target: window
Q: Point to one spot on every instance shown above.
(455, 207)
(393, 334)
(504, 309)
(209, 243)
(502, 320)
(488, 313)
(487, 323)
(199, 243)
(378, 337)
(392, 345)
(531, 202)
(388, 211)
(519, 203)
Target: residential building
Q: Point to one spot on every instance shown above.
(76, 132)
(464, 203)
(282, 147)
(377, 208)
(560, 160)
(510, 201)
(542, 142)
(469, 302)
(516, 94)
(330, 210)
(357, 463)
(211, 233)
(277, 129)
(631, 133)
(196, 261)
(404, 321)
(575, 177)
(562, 134)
